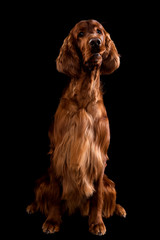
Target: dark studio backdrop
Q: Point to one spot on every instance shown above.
(41, 31)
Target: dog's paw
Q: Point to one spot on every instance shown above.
(50, 228)
(120, 211)
(97, 229)
(31, 208)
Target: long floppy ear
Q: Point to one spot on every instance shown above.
(111, 58)
(68, 60)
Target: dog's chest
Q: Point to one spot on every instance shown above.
(78, 159)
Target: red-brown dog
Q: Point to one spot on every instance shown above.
(80, 135)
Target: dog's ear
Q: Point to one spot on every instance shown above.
(111, 58)
(68, 60)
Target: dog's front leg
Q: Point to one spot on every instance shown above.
(53, 221)
(96, 224)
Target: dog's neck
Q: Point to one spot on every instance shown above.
(85, 88)
(89, 82)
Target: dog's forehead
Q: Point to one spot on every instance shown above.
(87, 25)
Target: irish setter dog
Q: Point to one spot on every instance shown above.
(80, 135)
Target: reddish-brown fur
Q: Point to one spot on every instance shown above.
(80, 135)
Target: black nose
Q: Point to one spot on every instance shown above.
(95, 42)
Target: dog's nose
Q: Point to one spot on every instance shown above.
(95, 42)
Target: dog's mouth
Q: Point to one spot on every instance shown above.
(96, 55)
(95, 60)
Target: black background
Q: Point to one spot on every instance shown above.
(35, 88)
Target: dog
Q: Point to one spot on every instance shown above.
(80, 135)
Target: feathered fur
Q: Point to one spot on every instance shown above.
(80, 135)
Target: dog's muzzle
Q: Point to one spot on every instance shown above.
(95, 44)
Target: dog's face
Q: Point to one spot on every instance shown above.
(87, 46)
(91, 40)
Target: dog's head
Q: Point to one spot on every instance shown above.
(87, 46)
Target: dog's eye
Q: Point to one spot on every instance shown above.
(80, 34)
(99, 31)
